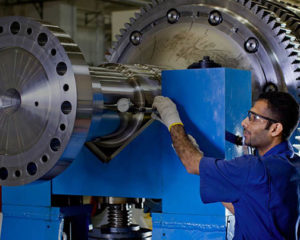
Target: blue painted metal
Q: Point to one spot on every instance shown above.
(25, 222)
(148, 167)
(35, 194)
(213, 102)
(135, 172)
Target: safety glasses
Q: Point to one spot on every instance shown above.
(252, 116)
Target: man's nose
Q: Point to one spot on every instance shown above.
(245, 122)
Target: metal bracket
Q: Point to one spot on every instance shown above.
(105, 154)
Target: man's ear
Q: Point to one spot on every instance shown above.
(276, 129)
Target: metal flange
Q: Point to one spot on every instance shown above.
(42, 108)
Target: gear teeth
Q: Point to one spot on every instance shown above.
(260, 10)
(143, 11)
(297, 70)
(137, 15)
(264, 13)
(293, 22)
(285, 39)
(296, 61)
(123, 31)
(132, 20)
(297, 28)
(256, 9)
(281, 33)
(114, 44)
(148, 7)
(290, 46)
(286, 16)
(250, 5)
(268, 17)
(276, 28)
(118, 37)
(154, 3)
(271, 19)
(244, 2)
(127, 25)
(293, 54)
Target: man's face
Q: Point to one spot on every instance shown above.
(256, 133)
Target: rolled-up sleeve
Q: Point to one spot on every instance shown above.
(223, 181)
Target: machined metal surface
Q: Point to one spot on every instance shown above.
(46, 99)
(139, 84)
(261, 36)
(52, 102)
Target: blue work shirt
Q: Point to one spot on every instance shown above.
(262, 189)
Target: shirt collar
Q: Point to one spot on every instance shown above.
(283, 147)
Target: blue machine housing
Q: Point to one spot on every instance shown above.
(210, 102)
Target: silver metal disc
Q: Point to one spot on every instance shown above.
(45, 100)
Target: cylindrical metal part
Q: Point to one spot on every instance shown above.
(138, 83)
(52, 102)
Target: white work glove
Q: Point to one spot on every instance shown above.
(167, 110)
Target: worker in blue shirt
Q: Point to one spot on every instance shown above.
(260, 190)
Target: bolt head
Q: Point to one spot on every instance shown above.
(215, 18)
(136, 38)
(173, 16)
(251, 45)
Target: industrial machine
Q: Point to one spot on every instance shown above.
(70, 130)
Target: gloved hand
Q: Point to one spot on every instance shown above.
(167, 110)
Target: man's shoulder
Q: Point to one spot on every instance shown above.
(253, 163)
(247, 159)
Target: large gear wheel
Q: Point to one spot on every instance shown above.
(260, 36)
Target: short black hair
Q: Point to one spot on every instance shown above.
(284, 108)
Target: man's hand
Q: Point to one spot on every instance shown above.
(167, 110)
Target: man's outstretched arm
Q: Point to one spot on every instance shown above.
(185, 146)
(188, 153)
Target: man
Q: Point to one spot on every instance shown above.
(262, 189)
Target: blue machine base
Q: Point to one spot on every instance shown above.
(192, 227)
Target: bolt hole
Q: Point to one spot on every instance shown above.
(61, 68)
(55, 144)
(17, 173)
(62, 127)
(1, 29)
(66, 107)
(66, 87)
(44, 159)
(53, 52)
(29, 31)
(36, 104)
(15, 27)
(3, 173)
(42, 39)
(31, 168)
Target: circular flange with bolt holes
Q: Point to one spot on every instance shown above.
(40, 107)
(260, 36)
